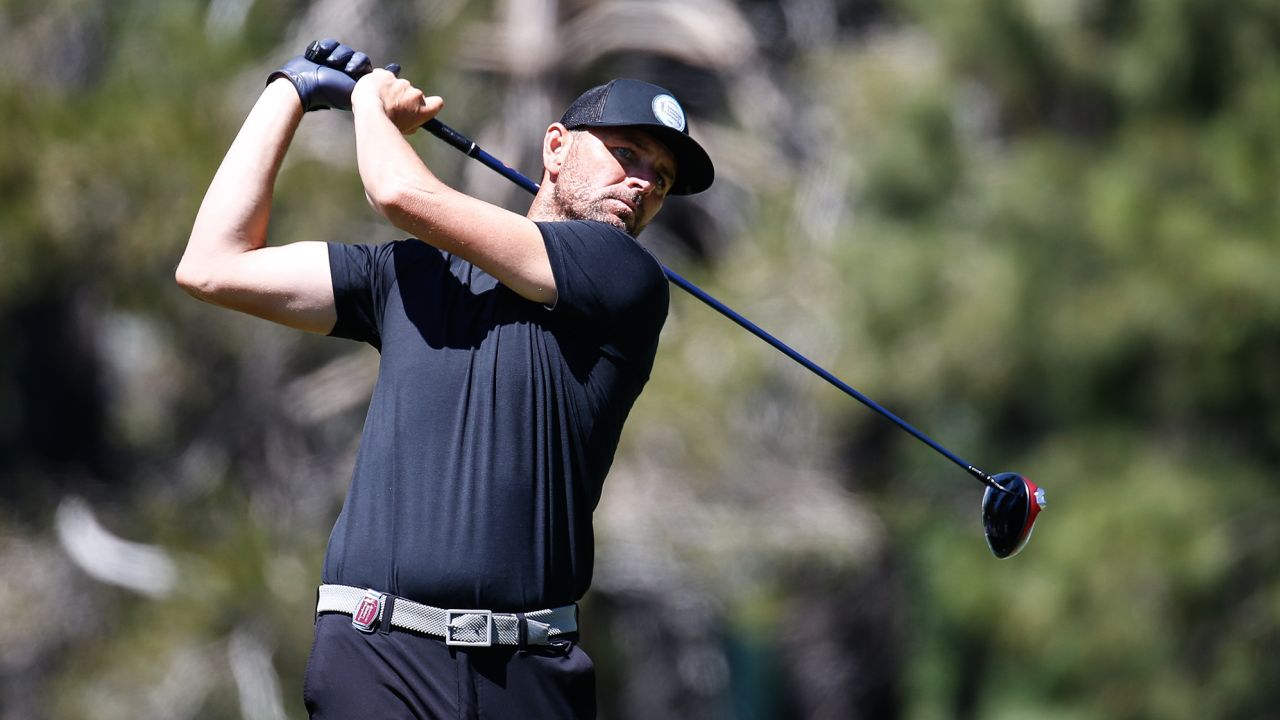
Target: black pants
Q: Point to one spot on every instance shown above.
(400, 674)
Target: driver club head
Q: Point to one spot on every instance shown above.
(1009, 517)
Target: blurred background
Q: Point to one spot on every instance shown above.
(1046, 232)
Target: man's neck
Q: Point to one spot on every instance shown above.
(543, 208)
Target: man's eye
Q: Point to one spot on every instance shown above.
(624, 153)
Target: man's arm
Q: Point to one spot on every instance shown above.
(399, 185)
(226, 261)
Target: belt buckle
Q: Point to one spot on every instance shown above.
(368, 612)
(483, 635)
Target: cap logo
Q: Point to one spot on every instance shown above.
(668, 112)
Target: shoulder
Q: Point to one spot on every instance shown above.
(604, 275)
(570, 232)
(383, 256)
(591, 239)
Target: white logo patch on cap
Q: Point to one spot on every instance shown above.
(668, 112)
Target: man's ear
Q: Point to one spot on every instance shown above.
(555, 148)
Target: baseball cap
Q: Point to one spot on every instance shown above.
(626, 102)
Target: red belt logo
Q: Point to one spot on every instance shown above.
(367, 611)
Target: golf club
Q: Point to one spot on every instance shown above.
(1011, 502)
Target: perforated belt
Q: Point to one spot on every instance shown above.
(476, 628)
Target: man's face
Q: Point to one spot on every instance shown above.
(615, 175)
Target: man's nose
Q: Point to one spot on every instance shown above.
(643, 182)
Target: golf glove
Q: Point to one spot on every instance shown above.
(325, 75)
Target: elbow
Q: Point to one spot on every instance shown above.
(196, 279)
(388, 198)
(195, 284)
(399, 200)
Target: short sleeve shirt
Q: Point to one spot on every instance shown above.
(494, 419)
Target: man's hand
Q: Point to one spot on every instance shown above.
(404, 105)
(325, 75)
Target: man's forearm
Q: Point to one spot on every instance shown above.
(505, 245)
(234, 215)
(390, 170)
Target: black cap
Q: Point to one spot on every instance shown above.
(637, 103)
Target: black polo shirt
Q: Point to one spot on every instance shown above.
(494, 420)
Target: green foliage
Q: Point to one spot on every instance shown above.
(1131, 199)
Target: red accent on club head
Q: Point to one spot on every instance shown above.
(1034, 498)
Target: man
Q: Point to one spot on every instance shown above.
(512, 349)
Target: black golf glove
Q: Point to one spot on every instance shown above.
(325, 75)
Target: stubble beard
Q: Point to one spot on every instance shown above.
(572, 199)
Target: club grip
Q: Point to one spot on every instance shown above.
(451, 136)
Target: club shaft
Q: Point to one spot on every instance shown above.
(471, 149)
(820, 371)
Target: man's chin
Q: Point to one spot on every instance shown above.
(623, 220)
(626, 224)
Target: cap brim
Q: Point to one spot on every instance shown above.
(694, 171)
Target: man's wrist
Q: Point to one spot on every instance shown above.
(282, 90)
(364, 93)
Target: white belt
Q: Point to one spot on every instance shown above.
(477, 628)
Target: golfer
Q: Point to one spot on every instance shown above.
(512, 349)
